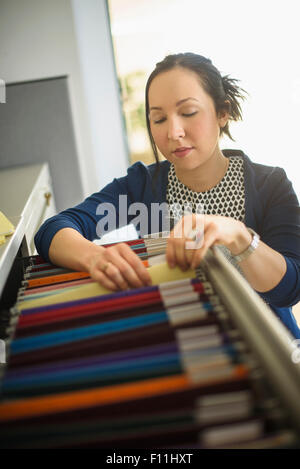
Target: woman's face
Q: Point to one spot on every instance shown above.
(183, 119)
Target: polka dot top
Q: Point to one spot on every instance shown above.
(227, 198)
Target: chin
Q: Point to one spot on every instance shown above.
(189, 163)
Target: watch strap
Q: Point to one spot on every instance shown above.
(253, 245)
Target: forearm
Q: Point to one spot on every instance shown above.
(70, 249)
(263, 268)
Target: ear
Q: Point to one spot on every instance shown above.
(223, 115)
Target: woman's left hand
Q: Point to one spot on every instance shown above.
(211, 230)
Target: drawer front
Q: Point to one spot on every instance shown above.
(40, 207)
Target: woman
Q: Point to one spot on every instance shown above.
(188, 107)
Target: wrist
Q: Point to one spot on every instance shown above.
(241, 241)
(250, 249)
(89, 256)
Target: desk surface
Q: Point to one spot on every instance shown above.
(17, 193)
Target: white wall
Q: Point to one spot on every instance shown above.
(39, 39)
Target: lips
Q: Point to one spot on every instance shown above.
(180, 152)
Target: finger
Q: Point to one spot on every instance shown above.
(191, 228)
(114, 274)
(109, 273)
(175, 252)
(170, 253)
(193, 244)
(131, 267)
(136, 263)
(180, 253)
(189, 254)
(210, 238)
(103, 280)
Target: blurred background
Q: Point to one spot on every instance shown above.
(255, 42)
(105, 50)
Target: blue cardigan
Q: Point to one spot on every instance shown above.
(271, 209)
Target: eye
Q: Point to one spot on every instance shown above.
(189, 114)
(159, 121)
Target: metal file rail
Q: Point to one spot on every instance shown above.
(269, 340)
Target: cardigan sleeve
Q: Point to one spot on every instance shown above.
(281, 231)
(97, 214)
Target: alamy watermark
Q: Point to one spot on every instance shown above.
(2, 91)
(154, 218)
(2, 351)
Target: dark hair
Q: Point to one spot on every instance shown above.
(223, 90)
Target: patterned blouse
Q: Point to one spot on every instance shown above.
(227, 198)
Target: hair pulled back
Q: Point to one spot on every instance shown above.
(224, 91)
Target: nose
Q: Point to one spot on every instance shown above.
(175, 129)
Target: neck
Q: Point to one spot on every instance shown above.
(207, 175)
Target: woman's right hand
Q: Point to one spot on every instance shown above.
(118, 268)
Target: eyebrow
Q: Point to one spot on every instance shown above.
(177, 104)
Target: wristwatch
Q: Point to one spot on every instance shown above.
(253, 245)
